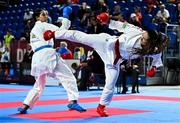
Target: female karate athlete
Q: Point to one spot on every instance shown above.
(46, 62)
(133, 43)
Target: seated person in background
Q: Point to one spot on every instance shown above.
(130, 68)
(2, 47)
(134, 20)
(6, 55)
(162, 15)
(64, 52)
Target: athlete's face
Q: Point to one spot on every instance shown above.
(43, 16)
(144, 38)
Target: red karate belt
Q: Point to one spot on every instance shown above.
(117, 52)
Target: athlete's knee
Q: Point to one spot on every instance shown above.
(38, 90)
(109, 88)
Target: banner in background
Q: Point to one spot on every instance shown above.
(18, 49)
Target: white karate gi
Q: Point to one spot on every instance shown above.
(46, 62)
(104, 45)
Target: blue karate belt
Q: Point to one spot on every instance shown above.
(42, 47)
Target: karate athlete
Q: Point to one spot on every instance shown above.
(46, 62)
(133, 43)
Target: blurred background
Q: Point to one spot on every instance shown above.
(16, 23)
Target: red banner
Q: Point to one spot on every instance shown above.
(18, 49)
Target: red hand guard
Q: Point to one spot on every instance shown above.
(151, 72)
(48, 34)
(67, 56)
(103, 18)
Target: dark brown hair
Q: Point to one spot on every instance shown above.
(37, 13)
(156, 43)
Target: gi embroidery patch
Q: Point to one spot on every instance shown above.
(125, 25)
(33, 36)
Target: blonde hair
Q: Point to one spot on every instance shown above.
(82, 50)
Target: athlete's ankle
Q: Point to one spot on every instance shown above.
(73, 101)
(25, 106)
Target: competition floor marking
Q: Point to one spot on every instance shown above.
(72, 115)
(12, 89)
(90, 99)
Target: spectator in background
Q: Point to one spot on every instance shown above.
(76, 69)
(25, 36)
(116, 14)
(27, 58)
(8, 38)
(84, 8)
(84, 72)
(84, 14)
(116, 10)
(2, 48)
(137, 11)
(92, 26)
(64, 52)
(100, 6)
(162, 15)
(151, 4)
(86, 68)
(65, 8)
(134, 20)
(28, 15)
(77, 53)
(130, 68)
(5, 55)
(82, 54)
